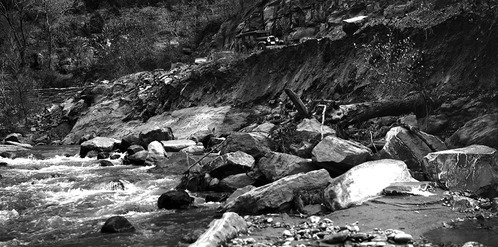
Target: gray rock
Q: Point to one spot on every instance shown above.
(138, 158)
(174, 199)
(117, 224)
(133, 149)
(156, 149)
(197, 149)
(401, 144)
(234, 182)
(278, 165)
(337, 150)
(221, 230)
(468, 168)
(99, 144)
(482, 130)
(365, 181)
(255, 144)
(155, 134)
(310, 129)
(264, 128)
(241, 191)
(229, 164)
(278, 195)
(14, 137)
(177, 145)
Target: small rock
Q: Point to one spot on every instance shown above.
(337, 238)
(403, 238)
(472, 244)
(106, 163)
(133, 149)
(314, 219)
(103, 155)
(287, 233)
(174, 199)
(117, 224)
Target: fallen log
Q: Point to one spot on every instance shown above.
(298, 103)
(349, 114)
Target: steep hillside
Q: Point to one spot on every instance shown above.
(445, 52)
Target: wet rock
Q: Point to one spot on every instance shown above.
(277, 195)
(3, 164)
(177, 145)
(103, 155)
(216, 197)
(156, 134)
(138, 158)
(133, 149)
(117, 224)
(237, 181)
(255, 144)
(99, 144)
(278, 165)
(176, 164)
(336, 150)
(365, 181)
(92, 154)
(105, 163)
(14, 137)
(239, 192)
(222, 230)
(402, 144)
(7, 155)
(468, 168)
(482, 130)
(174, 199)
(115, 156)
(229, 164)
(311, 129)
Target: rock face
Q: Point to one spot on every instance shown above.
(221, 230)
(117, 224)
(336, 150)
(279, 194)
(177, 145)
(310, 129)
(156, 134)
(229, 164)
(278, 165)
(403, 145)
(99, 144)
(255, 144)
(482, 130)
(174, 199)
(468, 168)
(365, 181)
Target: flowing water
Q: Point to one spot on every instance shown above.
(64, 201)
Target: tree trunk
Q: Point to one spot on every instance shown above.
(359, 112)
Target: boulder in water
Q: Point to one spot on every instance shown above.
(99, 144)
(133, 149)
(138, 158)
(106, 163)
(117, 224)
(174, 199)
(14, 137)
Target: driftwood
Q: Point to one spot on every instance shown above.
(356, 113)
(298, 103)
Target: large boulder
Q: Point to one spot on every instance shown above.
(221, 230)
(468, 168)
(156, 149)
(229, 164)
(311, 129)
(137, 158)
(99, 144)
(255, 144)
(117, 224)
(482, 130)
(338, 151)
(280, 194)
(177, 145)
(365, 181)
(174, 199)
(402, 144)
(237, 181)
(278, 165)
(155, 134)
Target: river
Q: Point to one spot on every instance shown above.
(55, 198)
